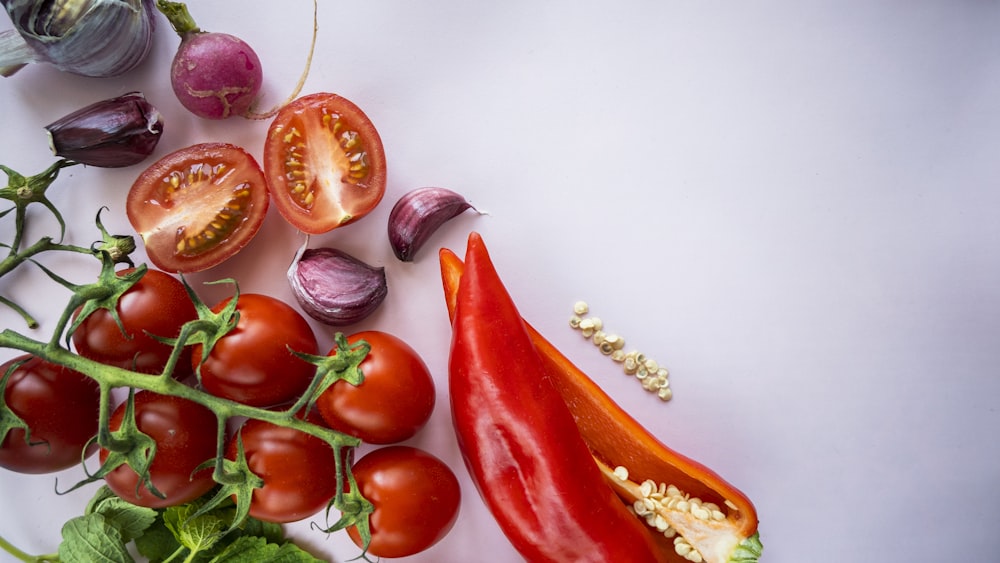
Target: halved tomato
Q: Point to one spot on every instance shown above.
(198, 206)
(324, 162)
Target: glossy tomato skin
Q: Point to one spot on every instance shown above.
(252, 363)
(198, 206)
(324, 163)
(299, 471)
(394, 401)
(59, 405)
(156, 305)
(184, 432)
(416, 498)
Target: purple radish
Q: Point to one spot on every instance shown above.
(214, 75)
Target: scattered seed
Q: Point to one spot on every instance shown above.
(652, 376)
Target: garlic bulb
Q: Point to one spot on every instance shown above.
(97, 38)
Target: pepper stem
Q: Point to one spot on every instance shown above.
(179, 17)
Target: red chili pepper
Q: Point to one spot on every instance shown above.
(509, 435)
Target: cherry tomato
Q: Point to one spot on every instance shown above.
(415, 495)
(299, 471)
(252, 363)
(156, 305)
(392, 403)
(324, 163)
(184, 432)
(198, 206)
(59, 405)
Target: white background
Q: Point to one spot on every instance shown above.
(793, 205)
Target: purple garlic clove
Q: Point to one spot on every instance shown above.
(418, 214)
(336, 288)
(111, 133)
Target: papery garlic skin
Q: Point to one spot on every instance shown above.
(336, 288)
(98, 38)
(111, 133)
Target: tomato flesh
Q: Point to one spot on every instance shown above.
(324, 163)
(198, 206)
(184, 432)
(416, 498)
(253, 363)
(299, 471)
(394, 401)
(157, 305)
(60, 407)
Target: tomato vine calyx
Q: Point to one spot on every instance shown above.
(25, 190)
(8, 418)
(235, 480)
(344, 363)
(210, 326)
(126, 445)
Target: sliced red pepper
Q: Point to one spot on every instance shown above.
(613, 437)
(520, 442)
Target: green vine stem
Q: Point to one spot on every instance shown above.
(22, 556)
(110, 377)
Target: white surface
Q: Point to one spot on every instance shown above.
(791, 204)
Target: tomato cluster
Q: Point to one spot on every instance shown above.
(255, 363)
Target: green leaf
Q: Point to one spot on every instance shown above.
(157, 543)
(195, 532)
(91, 538)
(130, 520)
(270, 531)
(252, 549)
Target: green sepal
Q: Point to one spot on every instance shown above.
(115, 286)
(9, 420)
(354, 508)
(23, 191)
(344, 364)
(235, 479)
(118, 248)
(210, 326)
(126, 446)
(748, 551)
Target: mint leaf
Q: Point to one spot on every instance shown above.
(91, 538)
(157, 543)
(197, 533)
(201, 533)
(252, 549)
(130, 520)
(270, 531)
(247, 549)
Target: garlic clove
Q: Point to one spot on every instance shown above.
(111, 133)
(334, 287)
(418, 214)
(99, 38)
